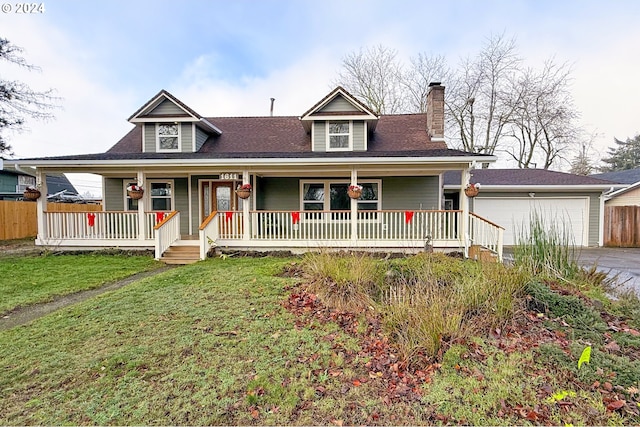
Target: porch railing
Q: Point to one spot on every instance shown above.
(209, 233)
(486, 234)
(371, 225)
(167, 232)
(109, 225)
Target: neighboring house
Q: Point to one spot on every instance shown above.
(629, 176)
(14, 181)
(300, 170)
(510, 197)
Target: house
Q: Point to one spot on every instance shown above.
(510, 197)
(13, 182)
(622, 209)
(301, 171)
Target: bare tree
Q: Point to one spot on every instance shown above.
(17, 100)
(542, 123)
(480, 98)
(424, 69)
(374, 75)
(583, 162)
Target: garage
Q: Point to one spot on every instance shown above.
(514, 213)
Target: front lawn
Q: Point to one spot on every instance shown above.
(231, 342)
(27, 280)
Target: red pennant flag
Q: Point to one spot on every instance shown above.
(295, 217)
(228, 216)
(159, 216)
(408, 216)
(91, 217)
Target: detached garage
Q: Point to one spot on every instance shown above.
(509, 198)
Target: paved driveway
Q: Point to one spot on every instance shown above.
(622, 261)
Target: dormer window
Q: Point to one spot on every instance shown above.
(339, 135)
(168, 137)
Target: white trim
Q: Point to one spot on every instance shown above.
(193, 137)
(542, 188)
(151, 105)
(190, 198)
(349, 135)
(168, 119)
(149, 197)
(455, 162)
(179, 136)
(367, 118)
(350, 99)
(366, 136)
(313, 136)
(144, 132)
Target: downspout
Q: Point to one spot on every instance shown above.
(602, 198)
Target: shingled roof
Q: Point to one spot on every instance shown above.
(629, 176)
(269, 135)
(524, 177)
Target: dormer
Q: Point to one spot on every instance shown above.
(339, 122)
(170, 126)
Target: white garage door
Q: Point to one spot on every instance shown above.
(514, 214)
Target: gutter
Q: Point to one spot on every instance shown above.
(533, 188)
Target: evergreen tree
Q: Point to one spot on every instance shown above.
(623, 156)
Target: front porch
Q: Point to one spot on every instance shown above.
(380, 230)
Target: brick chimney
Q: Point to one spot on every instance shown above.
(435, 111)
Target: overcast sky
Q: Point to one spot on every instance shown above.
(228, 57)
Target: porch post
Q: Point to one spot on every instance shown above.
(354, 208)
(142, 226)
(464, 207)
(41, 204)
(245, 208)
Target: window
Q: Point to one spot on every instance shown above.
(313, 196)
(168, 136)
(339, 135)
(158, 196)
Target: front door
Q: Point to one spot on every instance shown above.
(220, 197)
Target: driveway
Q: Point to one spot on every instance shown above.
(622, 261)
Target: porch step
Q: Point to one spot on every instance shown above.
(181, 254)
(482, 254)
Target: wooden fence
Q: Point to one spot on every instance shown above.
(18, 219)
(622, 226)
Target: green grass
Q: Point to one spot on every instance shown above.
(28, 280)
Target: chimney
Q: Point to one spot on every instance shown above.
(435, 111)
(271, 111)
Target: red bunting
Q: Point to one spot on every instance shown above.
(91, 217)
(295, 217)
(159, 216)
(408, 216)
(228, 216)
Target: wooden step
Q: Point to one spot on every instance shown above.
(181, 254)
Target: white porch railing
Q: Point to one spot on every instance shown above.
(97, 226)
(370, 225)
(209, 232)
(486, 234)
(167, 232)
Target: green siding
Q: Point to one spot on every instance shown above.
(358, 136)
(113, 194)
(201, 137)
(149, 137)
(181, 200)
(594, 207)
(338, 104)
(420, 192)
(278, 194)
(319, 136)
(167, 107)
(187, 137)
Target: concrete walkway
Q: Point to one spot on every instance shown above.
(24, 315)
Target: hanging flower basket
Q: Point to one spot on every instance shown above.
(135, 192)
(31, 193)
(354, 191)
(472, 190)
(244, 191)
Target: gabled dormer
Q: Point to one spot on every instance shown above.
(170, 126)
(339, 122)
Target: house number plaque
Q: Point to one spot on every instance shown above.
(229, 176)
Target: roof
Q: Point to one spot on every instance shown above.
(340, 91)
(510, 178)
(265, 136)
(629, 176)
(57, 182)
(155, 100)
